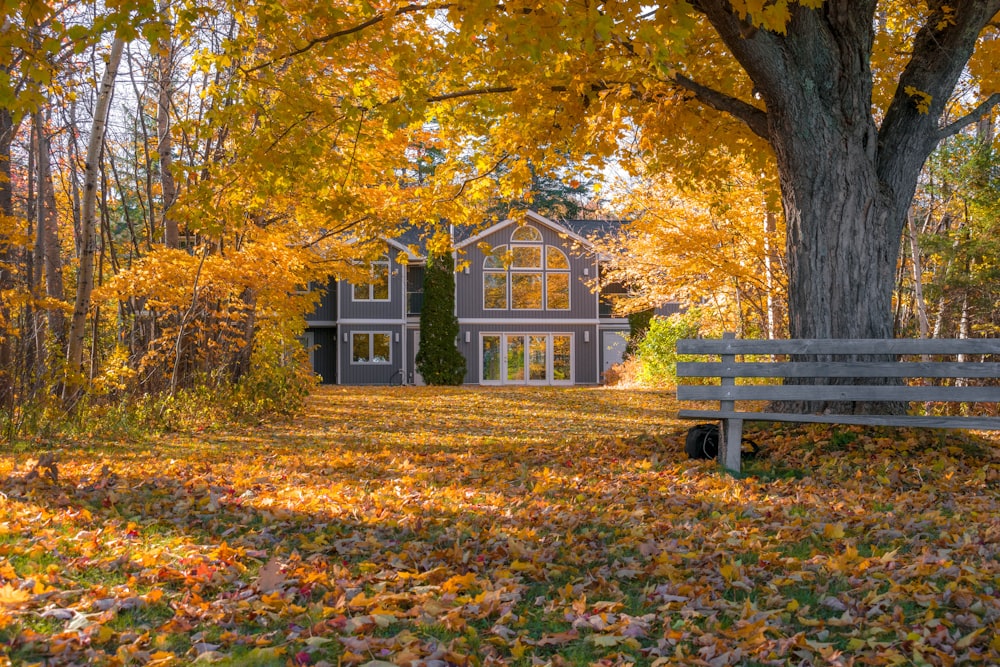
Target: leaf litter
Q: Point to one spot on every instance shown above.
(538, 526)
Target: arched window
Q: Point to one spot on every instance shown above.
(526, 234)
(527, 274)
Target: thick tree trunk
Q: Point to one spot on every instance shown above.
(88, 221)
(846, 181)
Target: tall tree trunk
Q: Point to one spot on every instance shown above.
(48, 231)
(8, 128)
(164, 142)
(88, 222)
(770, 225)
(846, 181)
(918, 280)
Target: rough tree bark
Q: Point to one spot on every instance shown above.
(88, 218)
(846, 180)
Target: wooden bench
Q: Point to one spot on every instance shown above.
(819, 359)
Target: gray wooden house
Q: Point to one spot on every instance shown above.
(526, 307)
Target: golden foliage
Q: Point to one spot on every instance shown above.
(468, 526)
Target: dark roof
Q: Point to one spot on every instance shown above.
(587, 228)
(592, 228)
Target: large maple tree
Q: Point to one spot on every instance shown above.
(848, 98)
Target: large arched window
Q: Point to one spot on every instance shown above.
(526, 274)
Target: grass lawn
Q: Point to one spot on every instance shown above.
(424, 526)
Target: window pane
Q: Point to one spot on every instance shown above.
(557, 296)
(380, 348)
(359, 348)
(555, 258)
(494, 290)
(526, 291)
(526, 233)
(497, 259)
(562, 358)
(536, 357)
(526, 257)
(491, 358)
(515, 358)
(380, 281)
(362, 291)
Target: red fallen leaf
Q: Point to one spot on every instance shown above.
(303, 658)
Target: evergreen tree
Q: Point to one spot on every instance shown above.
(438, 358)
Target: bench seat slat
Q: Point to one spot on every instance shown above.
(842, 369)
(972, 423)
(840, 346)
(836, 393)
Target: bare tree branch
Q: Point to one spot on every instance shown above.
(973, 116)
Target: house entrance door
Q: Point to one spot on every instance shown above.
(526, 358)
(308, 340)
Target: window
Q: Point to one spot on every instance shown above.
(526, 291)
(526, 233)
(526, 257)
(515, 276)
(377, 289)
(557, 291)
(491, 358)
(495, 290)
(370, 348)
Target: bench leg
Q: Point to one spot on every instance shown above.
(731, 443)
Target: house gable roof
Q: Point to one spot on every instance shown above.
(569, 230)
(580, 231)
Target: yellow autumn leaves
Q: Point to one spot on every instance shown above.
(504, 526)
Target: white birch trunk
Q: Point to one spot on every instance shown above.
(88, 217)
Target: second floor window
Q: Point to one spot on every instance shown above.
(377, 288)
(526, 274)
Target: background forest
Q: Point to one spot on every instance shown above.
(174, 173)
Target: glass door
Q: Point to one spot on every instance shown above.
(538, 359)
(526, 358)
(515, 359)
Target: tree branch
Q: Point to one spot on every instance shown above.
(973, 116)
(329, 37)
(473, 179)
(754, 118)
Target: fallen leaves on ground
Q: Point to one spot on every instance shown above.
(421, 526)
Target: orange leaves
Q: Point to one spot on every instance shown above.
(501, 526)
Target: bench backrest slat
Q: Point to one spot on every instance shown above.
(821, 346)
(837, 393)
(838, 369)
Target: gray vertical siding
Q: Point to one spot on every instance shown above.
(586, 355)
(326, 309)
(376, 310)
